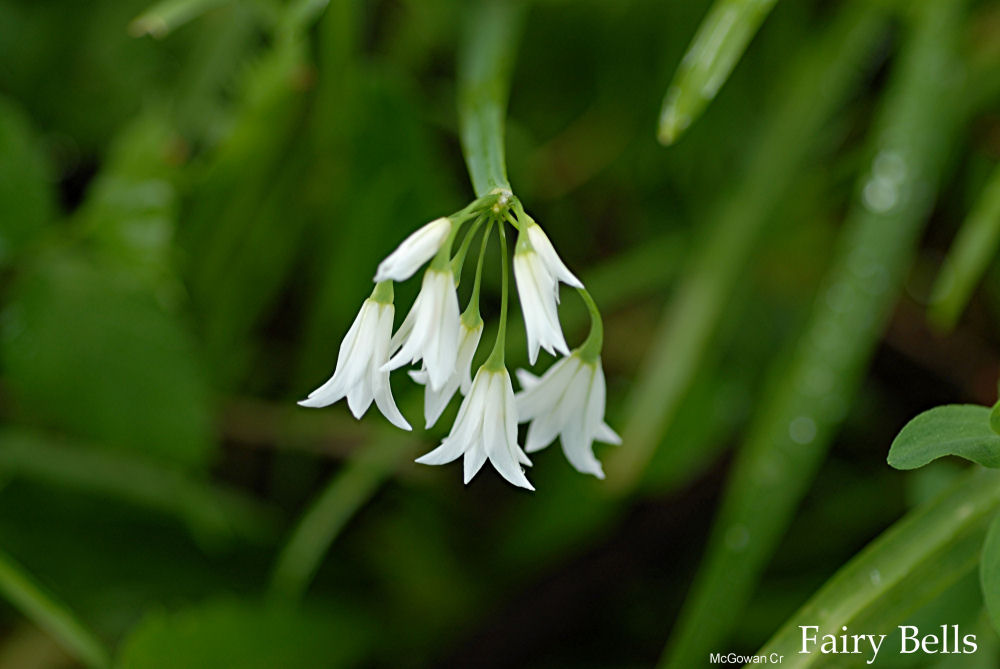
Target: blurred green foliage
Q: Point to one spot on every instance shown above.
(193, 199)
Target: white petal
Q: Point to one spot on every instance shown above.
(474, 460)
(436, 401)
(542, 396)
(450, 449)
(415, 250)
(540, 241)
(441, 352)
(352, 360)
(606, 435)
(360, 396)
(380, 380)
(536, 290)
(466, 428)
(501, 443)
(526, 379)
(470, 338)
(581, 455)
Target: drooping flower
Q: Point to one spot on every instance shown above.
(430, 331)
(538, 271)
(486, 429)
(435, 401)
(415, 250)
(568, 401)
(360, 375)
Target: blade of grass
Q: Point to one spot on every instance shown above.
(212, 513)
(905, 567)
(164, 17)
(970, 255)
(21, 590)
(718, 45)
(491, 35)
(790, 434)
(817, 82)
(348, 490)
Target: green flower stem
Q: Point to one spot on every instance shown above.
(717, 47)
(458, 261)
(590, 350)
(471, 316)
(817, 82)
(904, 568)
(496, 360)
(970, 255)
(383, 292)
(484, 67)
(348, 490)
(793, 426)
(17, 587)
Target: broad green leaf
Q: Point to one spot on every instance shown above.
(995, 418)
(27, 198)
(131, 206)
(87, 351)
(245, 635)
(955, 429)
(989, 571)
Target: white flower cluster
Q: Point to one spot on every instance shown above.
(567, 401)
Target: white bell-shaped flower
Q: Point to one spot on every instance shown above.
(568, 402)
(485, 429)
(415, 250)
(538, 270)
(430, 332)
(435, 401)
(360, 375)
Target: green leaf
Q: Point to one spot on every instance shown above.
(20, 589)
(970, 255)
(989, 572)
(995, 418)
(796, 418)
(910, 564)
(721, 40)
(87, 351)
(484, 67)
(27, 199)
(246, 635)
(955, 429)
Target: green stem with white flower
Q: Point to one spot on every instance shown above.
(458, 261)
(471, 316)
(496, 361)
(590, 350)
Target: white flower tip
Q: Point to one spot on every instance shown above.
(525, 378)
(310, 402)
(606, 435)
(415, 250)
